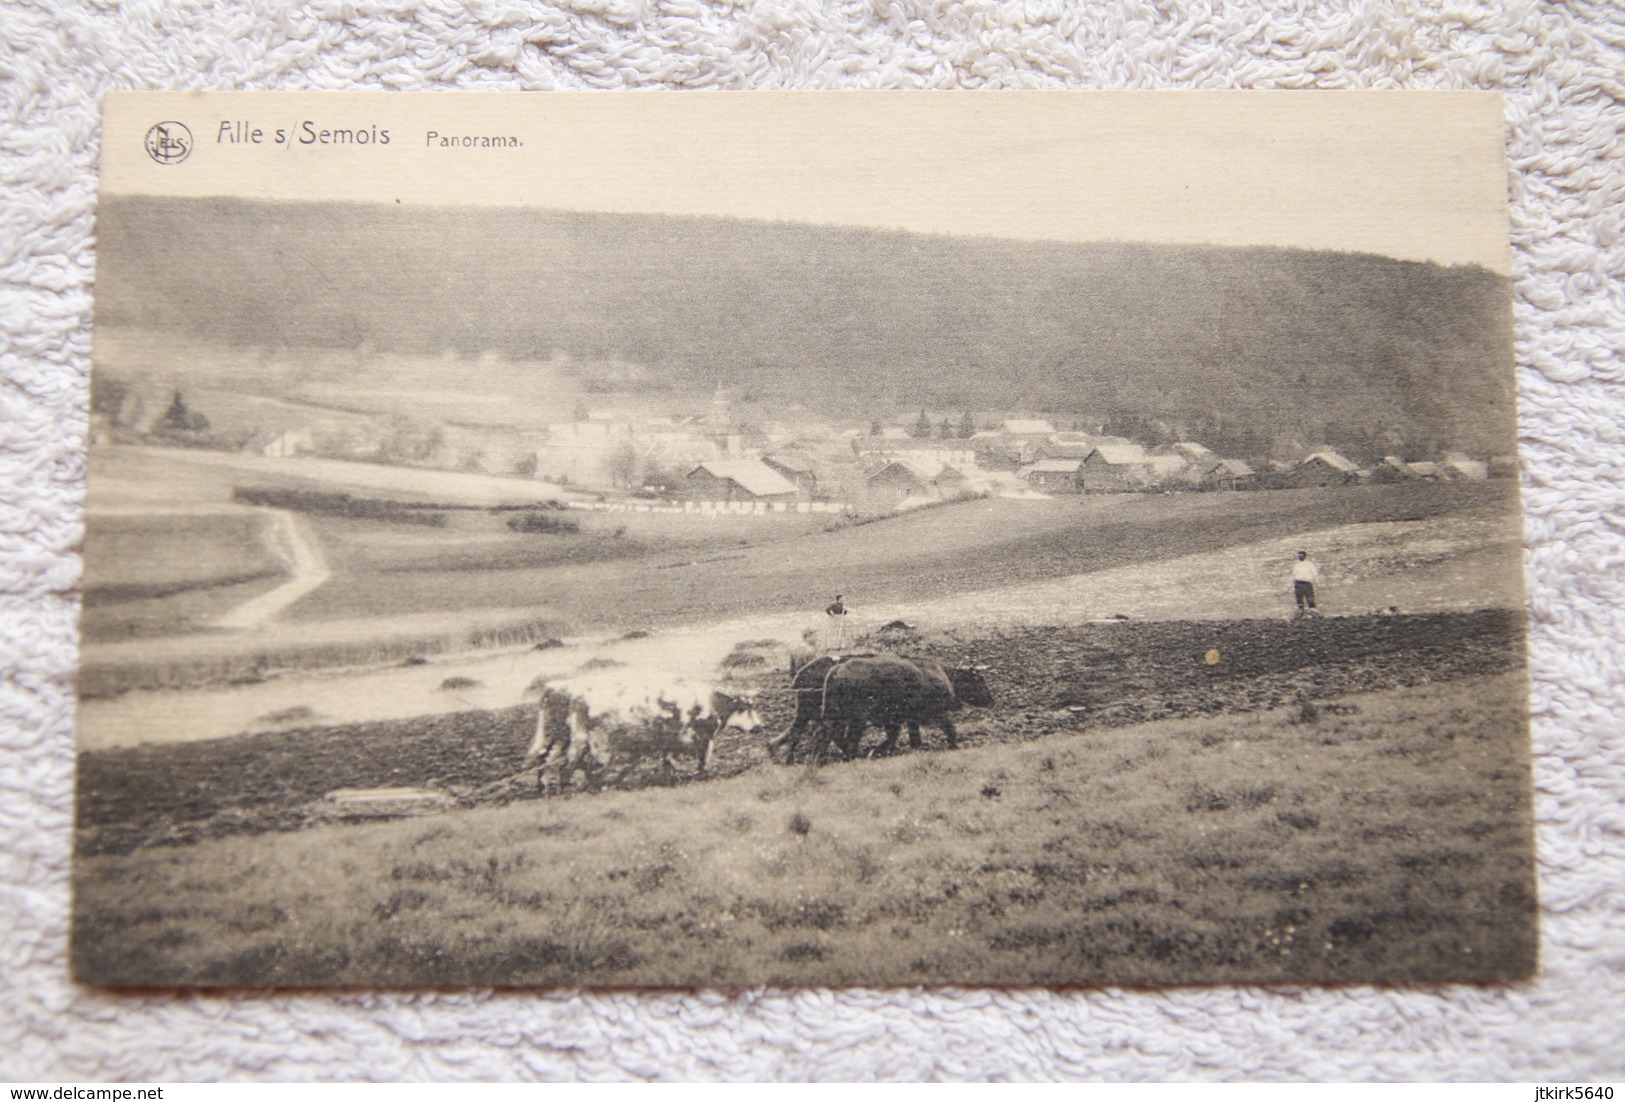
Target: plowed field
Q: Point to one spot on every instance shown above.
(1045, 679)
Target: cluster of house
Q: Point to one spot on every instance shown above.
(721, 459)
(1031, 456)
(1076, 463)
(1328, 468)
(706, 459)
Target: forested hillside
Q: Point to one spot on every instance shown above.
(1237, 345)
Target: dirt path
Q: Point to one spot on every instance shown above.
(290, 539)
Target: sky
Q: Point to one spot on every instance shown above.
(1413, 175)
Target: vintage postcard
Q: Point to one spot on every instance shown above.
(802, 538)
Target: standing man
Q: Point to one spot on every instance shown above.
(1304, 576)
(835, 637)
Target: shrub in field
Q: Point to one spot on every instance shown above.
(459, 683)
(542, 522)
(287, 717)
(340, 504)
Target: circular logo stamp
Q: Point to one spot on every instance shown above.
(169, 143)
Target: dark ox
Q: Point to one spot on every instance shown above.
(808, 686)
(887, 691)
(588, 723)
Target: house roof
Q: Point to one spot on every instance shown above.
(1234, 468)
(1192, 450)
(1119, 454)
(1056, 466)
(789, 463)
(1332, 459)
(1424, 469)
(754, 476)
(1067, 450)
(909, 469)
(1029, 428)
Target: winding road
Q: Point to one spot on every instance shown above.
(290, 539)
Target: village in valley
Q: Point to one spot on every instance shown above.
(739, 456)
(512, 594)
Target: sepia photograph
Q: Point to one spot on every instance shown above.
(1029, 538)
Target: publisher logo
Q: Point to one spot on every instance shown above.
(169, 143)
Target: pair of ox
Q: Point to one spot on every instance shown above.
(590, 722)
(839, 698)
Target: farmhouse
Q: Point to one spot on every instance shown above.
(896, 480)
(797, 471)
(1055, 476)
(1227, 474)
(1326, 468)
(1027, 439)
(1115, 469)
(738, 480)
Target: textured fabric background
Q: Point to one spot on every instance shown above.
(1563, 71)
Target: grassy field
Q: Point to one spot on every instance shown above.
(1148, 802)
(133, 556)
(1159, 556)
(162, 574)
(981, 544)
(637, 570)
(1381, 836)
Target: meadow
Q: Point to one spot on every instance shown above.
(1380, 836)
(156, 555)
(1336, 799)
(629, 570)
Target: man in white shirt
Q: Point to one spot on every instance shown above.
(835, 636)
(1304, 576)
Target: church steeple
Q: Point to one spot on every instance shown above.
(721, 417)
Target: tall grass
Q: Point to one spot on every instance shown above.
(1388, 838)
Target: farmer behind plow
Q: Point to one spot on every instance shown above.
(835, 634)
(1304, 576)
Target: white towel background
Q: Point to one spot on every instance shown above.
(1562, 68)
